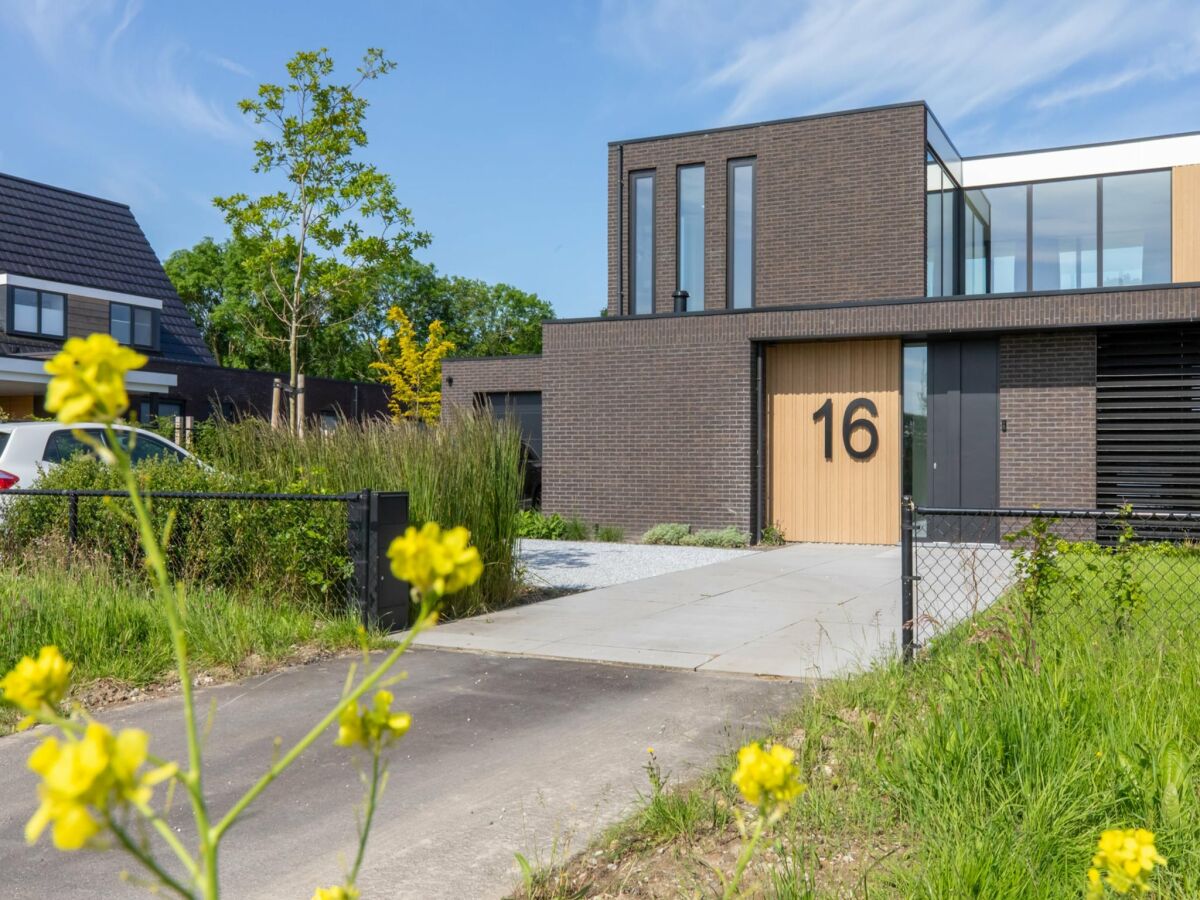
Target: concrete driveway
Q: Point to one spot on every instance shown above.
(505, 755)
(805, 610)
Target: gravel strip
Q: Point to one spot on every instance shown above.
(591, 564)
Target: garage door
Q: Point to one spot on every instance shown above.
(833, 441)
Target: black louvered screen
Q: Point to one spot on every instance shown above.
(1148, 418)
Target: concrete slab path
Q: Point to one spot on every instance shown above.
(805, 610)
(583, 565)
(505, 755)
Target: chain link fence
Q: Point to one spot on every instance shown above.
(1073, 569)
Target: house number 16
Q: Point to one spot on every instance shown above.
(849, 426)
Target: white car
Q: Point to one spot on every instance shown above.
(29, 448)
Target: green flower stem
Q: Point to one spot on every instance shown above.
(744, 859)
(147, 860)
(288, 758)
(372, 800)
(192, 778)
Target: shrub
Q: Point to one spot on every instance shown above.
(611, 533)
(772, 536)
(717, 537)
(533, 524)
(298, 548)
(575, 529)
(667, 533)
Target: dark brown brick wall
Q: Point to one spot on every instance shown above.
(463, 378)
(1048, 400)
(840, 207)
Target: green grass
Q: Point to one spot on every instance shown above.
(465, 471)
(111, 627)
(974, 774)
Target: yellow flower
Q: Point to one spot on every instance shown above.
(89, 379)
(337, 892)
(435, 561)
(1126, 857)
(85, 777)
(36, 685)
(374, 726)
(768, 778)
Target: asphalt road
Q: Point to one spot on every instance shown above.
(506, 755)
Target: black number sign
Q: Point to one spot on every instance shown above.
(849, 426)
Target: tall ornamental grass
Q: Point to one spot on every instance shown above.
(466, 470)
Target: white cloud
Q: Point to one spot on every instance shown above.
(95, 45)
(963, 56)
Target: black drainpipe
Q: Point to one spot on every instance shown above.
(620, 229)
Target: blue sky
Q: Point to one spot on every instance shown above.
(495, 124)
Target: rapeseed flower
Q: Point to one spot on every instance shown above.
(84, 778)
(374, 726)
(89, 379)
(1124, 860)
(436, 562)
(768, 777)
(337, 892)
(39, 685)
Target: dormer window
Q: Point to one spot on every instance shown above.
(37, 313)
(133, 325)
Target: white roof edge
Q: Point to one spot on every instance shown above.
(1069, 162)
(80, 290)
(33, 372)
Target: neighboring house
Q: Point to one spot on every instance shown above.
(71, 264)
(869, 314)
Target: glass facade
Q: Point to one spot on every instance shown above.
(741, 234)
(1112, 230)
(1136, 221)
(1063, 214)
(690, 276)
(641, 235)
(941, 194)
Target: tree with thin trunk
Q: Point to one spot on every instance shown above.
(321, 240)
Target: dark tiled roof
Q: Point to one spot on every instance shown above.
(56, 234)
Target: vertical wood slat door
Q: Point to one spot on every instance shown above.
(839, 500)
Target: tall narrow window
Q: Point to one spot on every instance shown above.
(1137, 228)
(1008, 213)
(941, 195)
(1064, 234)
(976, 236)
(690, 276)
(641, 236)
(740, 280)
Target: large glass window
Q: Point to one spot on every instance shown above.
(975, 243)
(1136, 221)
(641, 234)
(1008, 238)
(691, 235)
(741, 234)
(940, 197)
(1064, 234)
(37, 312)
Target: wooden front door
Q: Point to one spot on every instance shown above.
(833, 441)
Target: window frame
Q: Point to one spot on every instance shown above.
(155, 324)
(752, 163)
(634, 178)
(679, 170)
(39, 332)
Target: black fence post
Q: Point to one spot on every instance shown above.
(73, 518)
(907, 611)
(358, 528)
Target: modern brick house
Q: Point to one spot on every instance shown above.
(809, 317)
(71, 264)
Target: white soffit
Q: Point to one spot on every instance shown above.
(33, 372)
(1098, 159)
(79, 290)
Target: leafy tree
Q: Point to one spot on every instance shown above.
(412, 371)
(316, 245)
